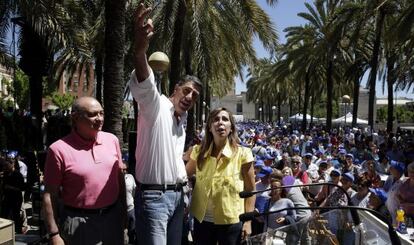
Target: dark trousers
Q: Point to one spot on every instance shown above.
(78, 228)
(131, 227)
(10, 209)
(209, 233)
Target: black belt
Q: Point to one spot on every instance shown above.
(156, 187)
(99, 211)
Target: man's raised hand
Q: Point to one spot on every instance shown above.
(143, 29)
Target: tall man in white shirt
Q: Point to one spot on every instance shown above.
(160, 169)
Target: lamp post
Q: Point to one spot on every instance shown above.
(260, 112)
(274, 111)
(203, 116)
(159, 63)
(346, 100)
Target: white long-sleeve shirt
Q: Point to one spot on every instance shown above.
(160, 138)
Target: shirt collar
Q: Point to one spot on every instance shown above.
(172, 110)
(227, 150)
(81, 141)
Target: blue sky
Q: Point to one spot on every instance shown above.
(284, 14)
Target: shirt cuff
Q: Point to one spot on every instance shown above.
(147, 83)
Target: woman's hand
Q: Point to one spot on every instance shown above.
(246, 230)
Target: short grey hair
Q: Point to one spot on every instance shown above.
(189, 78)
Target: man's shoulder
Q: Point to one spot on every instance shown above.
(107, 135)
(60, 143)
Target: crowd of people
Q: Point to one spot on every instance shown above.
(375, 169)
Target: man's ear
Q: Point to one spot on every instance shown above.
(175, 90)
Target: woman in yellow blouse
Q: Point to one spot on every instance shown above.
(222, 168)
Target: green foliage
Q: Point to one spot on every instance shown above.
(401, 113)
(63, 101)
(21, 86)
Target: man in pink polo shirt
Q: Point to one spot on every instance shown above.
(83, 170)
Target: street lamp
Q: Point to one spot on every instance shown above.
(159, 63)
(260, 112)
(203, 117)
(274, 110)
(346, 100)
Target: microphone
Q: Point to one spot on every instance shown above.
(354, 213)
(395, 240)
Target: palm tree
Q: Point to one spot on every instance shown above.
(114, 82)
(327, 21)
(229, 24)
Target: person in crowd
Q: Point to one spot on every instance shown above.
(258, 165)
(405, 193)
(262, 198)
(83, 172)
(260, 148)
(395, 153)
(338, 197)
(391, 186)
(338, 219)
(268, 159)
(327, 190)
(302, 215)
(371, 174)
(130, 187)
(349, 165)
(383, 165)
(160, 170)
(284, 162)
(298, 173)
(223, 168)
(13, 185)
(310, 167)
(323, 171)
(23, 170)
(377, 200)
(361, 198)
(276, 220)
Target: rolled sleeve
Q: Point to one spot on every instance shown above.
(147, 96)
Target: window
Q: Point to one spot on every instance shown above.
(239, 108)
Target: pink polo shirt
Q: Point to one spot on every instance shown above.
(87, 172)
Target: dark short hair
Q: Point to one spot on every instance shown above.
(190, 78)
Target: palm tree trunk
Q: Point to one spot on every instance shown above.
(306, 101)
(98, 72)
(279, 109)
(356, 100)
(114, 66)
(390, 84)
(35, 62)
(374, 67)
(191, 120)
(329, 93)
(175, 72)
(312, 110)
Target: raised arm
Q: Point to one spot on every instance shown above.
(143, 33)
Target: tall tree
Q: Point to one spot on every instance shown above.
(114, 82)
